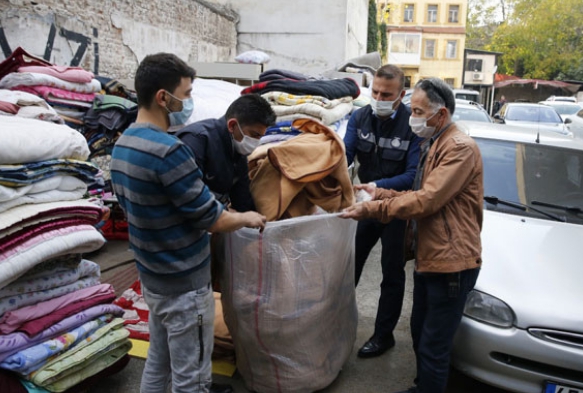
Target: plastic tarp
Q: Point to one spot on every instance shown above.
(289, 301)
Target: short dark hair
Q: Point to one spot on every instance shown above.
(160, 71)
(251, 109)
(438, 93)
(389, 71)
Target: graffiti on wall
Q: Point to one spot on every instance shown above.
(82, 42)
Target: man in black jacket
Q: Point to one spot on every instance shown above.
(379, 136)
(221, 147)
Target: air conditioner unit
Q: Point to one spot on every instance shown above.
(477, 76)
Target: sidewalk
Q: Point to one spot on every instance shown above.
(390, 372)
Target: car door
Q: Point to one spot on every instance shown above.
(575, 124)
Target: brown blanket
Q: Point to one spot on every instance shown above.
(293, 177)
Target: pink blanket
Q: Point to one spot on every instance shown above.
(70, 74)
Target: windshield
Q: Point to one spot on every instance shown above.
(566, 109)
(538, 114)
(470, 114)
(524, 173)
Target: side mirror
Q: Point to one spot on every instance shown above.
(568, 120)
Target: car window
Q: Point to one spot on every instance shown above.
(470, 114)
(539, 114)
(566, 109)
(525, 172)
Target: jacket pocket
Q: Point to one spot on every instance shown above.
(364, 146)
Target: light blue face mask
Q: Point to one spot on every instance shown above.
(181, 117)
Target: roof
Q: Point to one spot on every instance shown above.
(538, 82)
(506, 132)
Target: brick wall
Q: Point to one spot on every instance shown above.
(110, 37)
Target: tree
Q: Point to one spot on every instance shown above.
(541, 39)
(384, 43)
(372, 39)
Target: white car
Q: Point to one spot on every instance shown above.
(531, 116)
(562, 98)
(574, 124)
(565, 109)
(522, 328)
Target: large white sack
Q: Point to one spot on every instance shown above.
(289, 301)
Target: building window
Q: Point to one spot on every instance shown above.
(451, 49)
(429, 49)
(409, 11)
(474, 65)
(432, 13)
(405, 43)
(408, 82)
(454, 11)
(449, 81)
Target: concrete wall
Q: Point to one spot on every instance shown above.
(110, 37)
(308, 36)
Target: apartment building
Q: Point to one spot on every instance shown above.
(426, 38)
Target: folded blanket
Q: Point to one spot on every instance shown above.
(326, 116)
(29, 105)
(14, 302)
(330, 88)
(46, 197)
(282, 98)
(86, 363)
(65, 73)
(18, 175)
(32, 358)
(18, 341)
(55, 95)
(51, 278)
(29, 215)
(34, 79)
(19, 58)
(86, 384)
(274, 74)
(16, 317)
(76, 239)
(28, 140)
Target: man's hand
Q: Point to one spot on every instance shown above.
(254, 220)
(356, 212)
(369, 188)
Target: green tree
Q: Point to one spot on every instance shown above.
(384, 43)
(372, 39)
(481, 23)
(541, 39)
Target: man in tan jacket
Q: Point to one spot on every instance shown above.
(445, 213)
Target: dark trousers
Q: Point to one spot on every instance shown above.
(434, 321)
(392, 236)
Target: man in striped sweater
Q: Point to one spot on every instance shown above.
(170, 212)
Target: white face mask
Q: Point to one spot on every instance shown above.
(382, 108)
(420, 128)
(247, 144)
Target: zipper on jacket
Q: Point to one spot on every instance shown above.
(200, 340)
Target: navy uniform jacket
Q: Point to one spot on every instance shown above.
(387, 150)
(225, 171)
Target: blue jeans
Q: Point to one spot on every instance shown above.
(181, 341)
(434, 320)
(392, 237)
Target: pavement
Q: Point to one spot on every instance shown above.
(391, 372)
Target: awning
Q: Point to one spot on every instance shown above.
(535, 83)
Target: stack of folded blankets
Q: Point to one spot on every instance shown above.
(69, 90)
(293, 96)
(58, 327)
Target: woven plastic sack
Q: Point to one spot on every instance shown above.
(289, 301)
